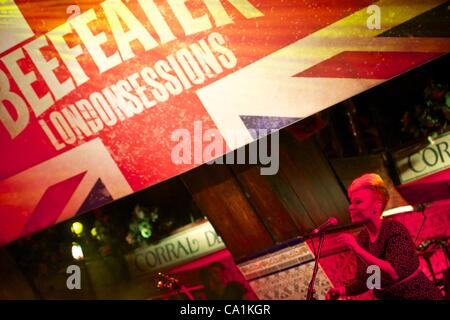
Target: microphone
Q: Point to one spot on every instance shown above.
(331, 222)
(421, 206)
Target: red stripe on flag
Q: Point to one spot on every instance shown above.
(52, 204)
(368, 65)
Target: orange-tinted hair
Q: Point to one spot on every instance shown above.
(370, 181)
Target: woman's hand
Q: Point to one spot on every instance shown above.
(348, 241)
(335, 293)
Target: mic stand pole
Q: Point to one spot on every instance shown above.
(310, 294)
(420, 208)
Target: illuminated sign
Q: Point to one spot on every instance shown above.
(415, 164)
(179, 248)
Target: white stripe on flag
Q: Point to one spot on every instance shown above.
(13, 27)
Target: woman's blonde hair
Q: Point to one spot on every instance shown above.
(370, 181)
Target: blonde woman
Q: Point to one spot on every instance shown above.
(385, 244)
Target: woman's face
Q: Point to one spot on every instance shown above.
(363, 203)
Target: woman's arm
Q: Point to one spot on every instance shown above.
(385, 266)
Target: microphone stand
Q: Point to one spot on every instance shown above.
(310, 294)
(420, 208)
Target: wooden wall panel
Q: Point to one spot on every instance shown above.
(218, 195)
(282, 186)
(306, 170)
(266, 203)
(252, 212)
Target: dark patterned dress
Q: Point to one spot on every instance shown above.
(394, 244)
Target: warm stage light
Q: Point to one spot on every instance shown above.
(77, 251)
(398, 210)
(77, 228)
